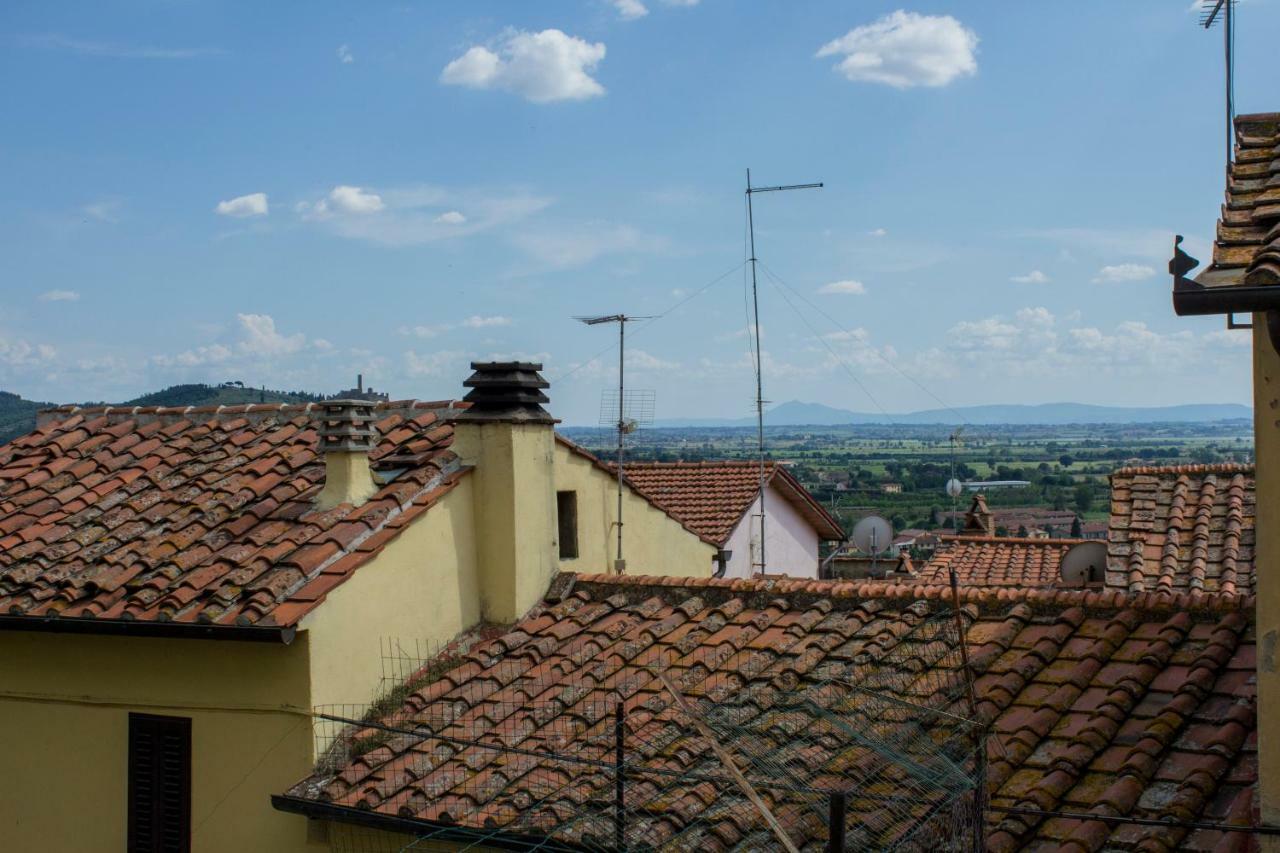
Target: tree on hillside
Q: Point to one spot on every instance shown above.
(1083, 498)
(1065, 460)
(1077, 529)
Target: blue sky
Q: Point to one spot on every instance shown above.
(288, 193)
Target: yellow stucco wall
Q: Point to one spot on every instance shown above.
(419, 592)
(653, 542)
(1266, 414)
(515, 508)
(64, 707)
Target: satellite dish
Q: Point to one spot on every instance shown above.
(872, 535)
(954, 487)
(1084, 563)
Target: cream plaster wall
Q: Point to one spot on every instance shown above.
(653, 542)
(1266, 414)
(420, 591)
(791, 543)
(64, 706)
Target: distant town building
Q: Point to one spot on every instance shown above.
(362, 393)
(891, 488)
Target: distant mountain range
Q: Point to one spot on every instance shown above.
(18, 416)
(796, 413)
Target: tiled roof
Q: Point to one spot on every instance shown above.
(1182, 527)
(612, 470)
(199, 515)
(1122, 705)
(1247, 248)
(712, 497)
(988, 561)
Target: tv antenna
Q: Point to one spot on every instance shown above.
(1211, 12)
(755, 305)
(954, 486)
(621, 424)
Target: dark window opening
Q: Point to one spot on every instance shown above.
(159, 784)
(567, 521)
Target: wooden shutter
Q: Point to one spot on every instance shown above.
(159, 784)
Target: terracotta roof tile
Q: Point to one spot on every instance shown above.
(990, 561)
(1182, 528)
(1247, 246)
(1124, 705)
(712, 497)
(158, 514)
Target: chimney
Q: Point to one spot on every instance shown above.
(509, 439)
(347, 436)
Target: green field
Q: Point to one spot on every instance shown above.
(848, 467)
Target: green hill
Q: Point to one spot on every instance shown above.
(18, 416)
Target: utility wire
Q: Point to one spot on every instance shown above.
(562, 378)
(877, 352)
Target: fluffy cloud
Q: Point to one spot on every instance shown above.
(411, 216)
(906, 49)
(877, 232)
(103, 211)
(344, 55)
(1124, 272)
(478, 322)
(848, 285)
(629, 10)
(253, 204)
(354, 200)
(1033, 277)
(15, 352)
(59, 296)
(540, 67)
(261, 338)
(434, 363)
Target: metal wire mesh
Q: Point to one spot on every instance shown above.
(598, 757)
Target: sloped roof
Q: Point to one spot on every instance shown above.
(1182, 527)
(712, 497)
(1122, 705)
(200, 516)
(992, 561)
(1246, 249)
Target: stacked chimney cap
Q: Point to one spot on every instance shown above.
(506, 391)
(346, 426)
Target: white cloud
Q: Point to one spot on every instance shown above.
(1033, 277)
(261, 338)
(59, 296)
(411, 216)
(198, 357)
(905, 49)
(16, 352)
(848, 285)
(119, 51)
(423, 331)
(344, 55)
(354, 200)
(540, 67)
(322, 345)
(877, 232)
(433, 363)
(1124, 272)
(572, 246)
(629, 10)
(478, 322)
(253, 204)
(103, 211)
(688, 4)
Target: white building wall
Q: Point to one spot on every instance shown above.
(791, 543)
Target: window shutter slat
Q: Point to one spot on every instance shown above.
(159, 784)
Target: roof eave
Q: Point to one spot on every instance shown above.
(413, 826)
(282, 634)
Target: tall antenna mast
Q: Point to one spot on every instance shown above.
(619, 564)
(755, 305)
(1213, 11)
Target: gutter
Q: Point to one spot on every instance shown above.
(1191, 298)
(492, 838)
(138, 628)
